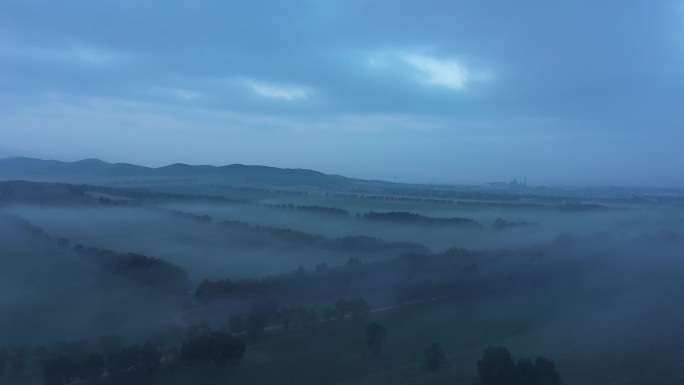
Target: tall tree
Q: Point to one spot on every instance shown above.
(3, 361)
(16, 356)
(434, 357)
(496, 366)
(134, 365)
(375, 336)
(236, 324)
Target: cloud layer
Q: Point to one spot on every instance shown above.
(463, 91)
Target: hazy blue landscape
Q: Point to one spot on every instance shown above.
(290, 272)
(329, 192)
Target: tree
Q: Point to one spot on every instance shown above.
(328, 313)
(133, 365)
(524, 372)
(16, 356)
(434, 357)
(110, 344)
(236, 324)
(40, 355)
(256, 324)
(496, 366)
(226, 347)
(3, 362)
(202, 328)
(342, 307)
(375, 336)
(358, 308)
(218, 347)
(546, 373)
(59, 370)
(93, 366)
(540, 372)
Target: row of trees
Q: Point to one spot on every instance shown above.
(314, 209)
(411, 218)
(13, 359)
(68, 362)
(147, 271)
(433, 356)
(497, 367)
(453, 275)
(359, 244)
(267, 312)
(64, 363)
(143, 270)
(217, 346)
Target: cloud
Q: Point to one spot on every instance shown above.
(186, 94)
(447, 73)
(356, 68)
(288, 93)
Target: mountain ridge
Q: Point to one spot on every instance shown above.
(34, 169)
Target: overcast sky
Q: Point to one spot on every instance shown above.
(453, 91)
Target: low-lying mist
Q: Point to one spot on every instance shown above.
(595, 288)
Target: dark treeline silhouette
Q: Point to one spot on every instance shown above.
(182, 214)
(147, 271)
(391, 198)
(360, 244)
(498, 368)
(434, 357)
(323, 210)
(260, 190)
(66, 362)
(145, 193)
(23, 224)
(502, 224)
(217, 346)
(582, 207)
(375, 337)
(112, 361)
(411, 218)
(143, 270)
(455, 274)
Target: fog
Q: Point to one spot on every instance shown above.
(625, 223)
(595, 288)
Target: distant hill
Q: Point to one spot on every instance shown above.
(91, 170)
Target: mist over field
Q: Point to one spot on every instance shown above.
(353, 192)
(589, 282)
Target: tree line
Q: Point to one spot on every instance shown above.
(417, 219)
(140, 269)
(360, 244)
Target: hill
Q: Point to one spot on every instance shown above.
(91, 170)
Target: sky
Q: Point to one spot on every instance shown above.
(573, 92)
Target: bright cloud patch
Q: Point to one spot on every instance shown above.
(279, 92)
(447, 73)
